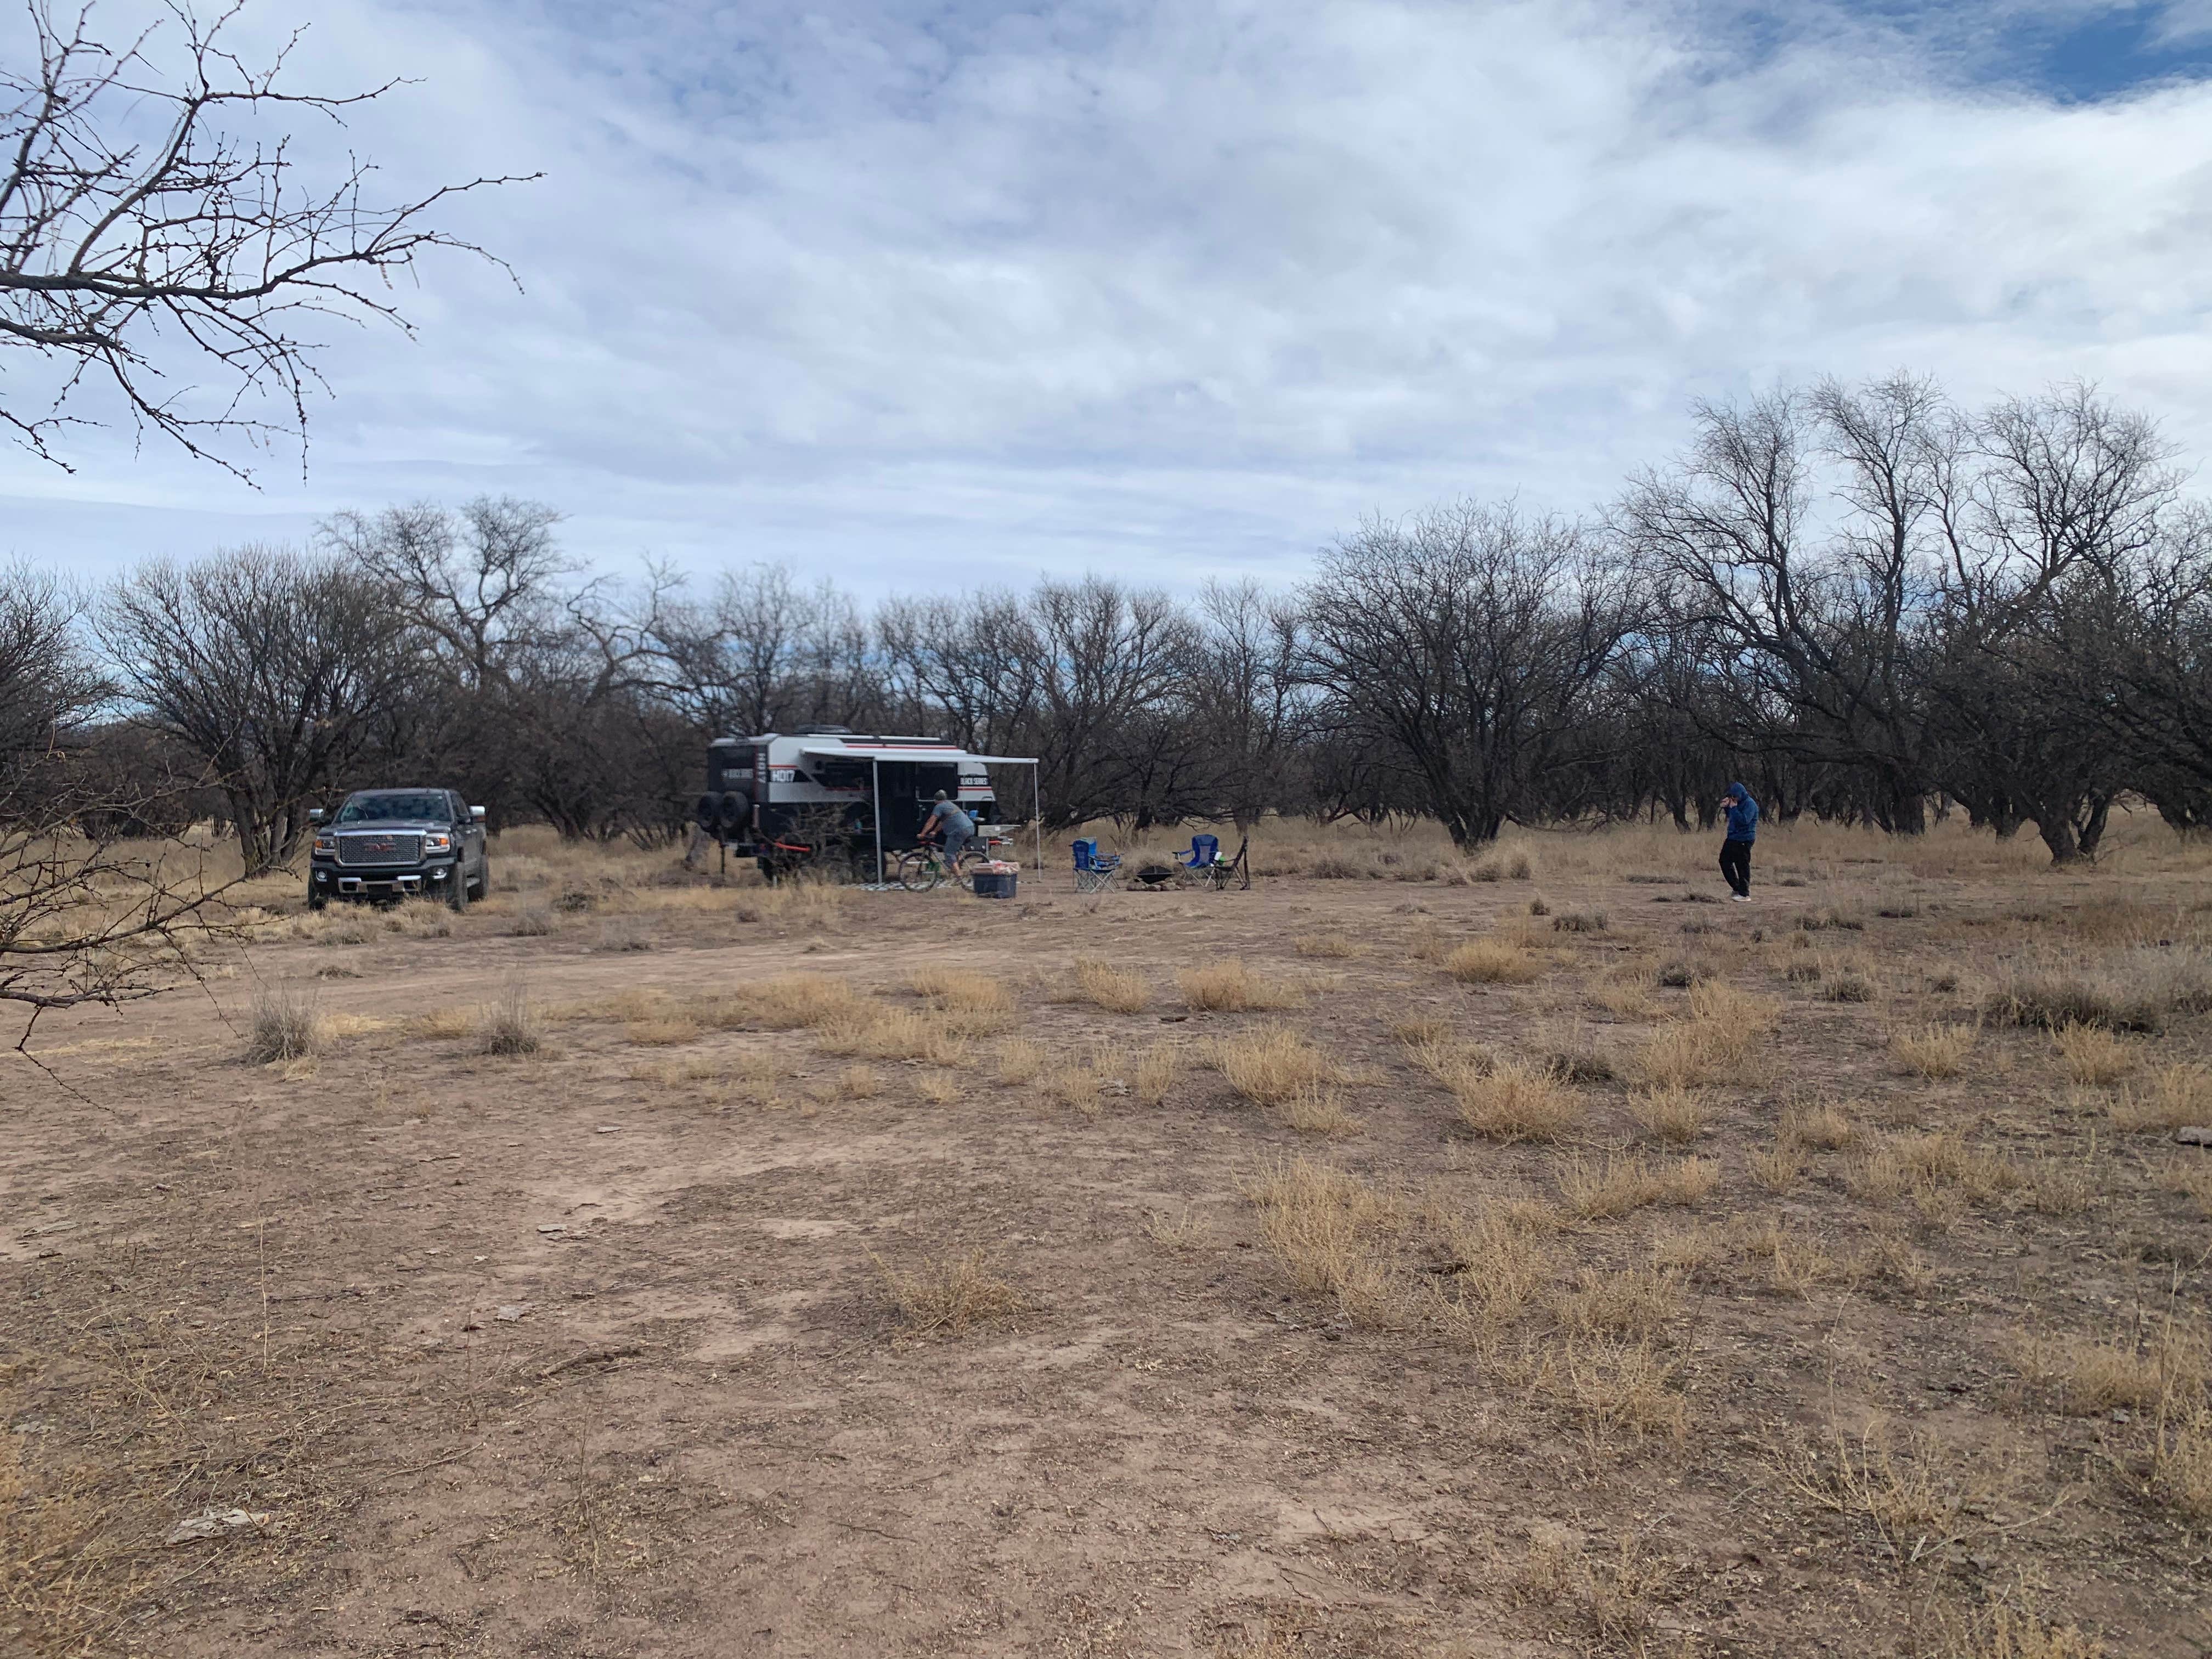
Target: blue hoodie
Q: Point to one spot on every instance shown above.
(1743, 816)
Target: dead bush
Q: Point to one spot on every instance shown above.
(1933, 1051)
(1491, 962)
(785, 1002)
(1270, 1064)
(1318, 1110)
(948, 1293)
(1676, 1115)
(1337, 1235)
(284, 1024)
(1231, 987)
(511, 1025)
(2093, 1054)
(2171, 1097)
(1513, 1100)
(1117, 990)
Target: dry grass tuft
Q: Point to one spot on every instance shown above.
(1716, 1044)
(512, 1025)
(1271, 1064)
(1318, 1110)
(1020, 1061)
(1186, 1231)
(1512, 1100)
(1336, 1234)
(444, 1022)
(1503, 1268)
(1934, 1051)
(959, 991)
(1796, 1264)
(1577, 921)
(948, 1293)
(661, 1032)
(284, 1024)
(1779, 1168)
(2007, 1632)
(2135, 1369)
(787, 1002)
(533, 921)
(1616, 1186)
(859, 1081)
(1117, 990)
(1625, 999)
(1676, 1115)
(1636, 1302)
(1331, 947)
(2093, 1054)
(1616, 1387)
(1154, 1073)
(2181, 1460)
(1823, 1124)
(1491, 962)
(1895, 1481)
(1418, 1031)
(2170, 1097)
(2131, 990)
(1230, 988)
(872, 1033)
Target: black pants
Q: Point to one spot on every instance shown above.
(1735, 864)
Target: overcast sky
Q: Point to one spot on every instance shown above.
(924, 295)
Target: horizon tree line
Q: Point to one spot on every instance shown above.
(1869, 603)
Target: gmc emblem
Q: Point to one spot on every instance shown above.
(384, 844)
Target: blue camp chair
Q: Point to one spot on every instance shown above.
(1095, 873)
(1200, 853)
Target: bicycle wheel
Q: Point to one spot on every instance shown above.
(919, 871)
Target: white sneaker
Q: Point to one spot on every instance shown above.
(1741, 898)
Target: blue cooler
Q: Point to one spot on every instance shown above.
(991, 886)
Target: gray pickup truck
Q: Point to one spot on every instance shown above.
(399, 843)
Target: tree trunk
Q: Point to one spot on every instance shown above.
(2057, 833)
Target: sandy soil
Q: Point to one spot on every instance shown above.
(597, 1350)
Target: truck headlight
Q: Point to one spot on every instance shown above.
(326, 847)
(437, 843)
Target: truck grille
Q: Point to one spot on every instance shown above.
(382, 847)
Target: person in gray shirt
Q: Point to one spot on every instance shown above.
(955, 827)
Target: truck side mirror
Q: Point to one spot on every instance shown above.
(477, 814)
(315, 815)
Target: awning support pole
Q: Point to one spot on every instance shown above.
(1036, 803)
(876, 773)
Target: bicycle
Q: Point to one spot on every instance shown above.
(922, 868)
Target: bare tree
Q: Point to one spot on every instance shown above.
(135, 224)
(1813, 627)
(86, 917)
(1466, 645)
(269, 665)
(487, 584)
(1254, 704)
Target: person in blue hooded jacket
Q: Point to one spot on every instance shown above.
(1742, 830)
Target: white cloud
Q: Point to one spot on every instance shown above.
(1182, 287)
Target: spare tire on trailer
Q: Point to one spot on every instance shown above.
(706, 813)
(735, 813)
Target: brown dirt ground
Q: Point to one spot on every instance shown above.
(712, 1428)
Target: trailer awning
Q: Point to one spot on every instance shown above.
(909, 752)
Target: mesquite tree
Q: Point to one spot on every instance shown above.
(155, 218)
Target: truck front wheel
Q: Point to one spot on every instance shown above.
(457, 889)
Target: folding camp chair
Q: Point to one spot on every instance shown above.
(1095, 873)
(1199, 862)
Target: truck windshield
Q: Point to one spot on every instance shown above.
(368, 809)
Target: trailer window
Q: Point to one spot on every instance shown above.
(842, 773)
